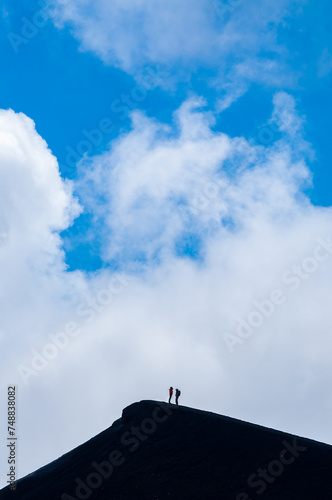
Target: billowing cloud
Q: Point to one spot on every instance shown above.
(196, 181)
(36, 204)
(247, 314)
(228, 292)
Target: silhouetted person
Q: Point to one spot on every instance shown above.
(177, 395)
(170, 394)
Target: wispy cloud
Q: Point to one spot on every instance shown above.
(232, 38)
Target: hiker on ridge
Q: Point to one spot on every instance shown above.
(170, 394)
(177, 395)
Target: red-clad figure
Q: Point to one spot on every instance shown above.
(170, 394)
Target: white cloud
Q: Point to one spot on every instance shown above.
(129, 33)
(183, 179)
(232, 92)
(35, 204)
(254, 228)
(166, 325)
(132, 33)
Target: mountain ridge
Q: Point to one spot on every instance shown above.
(157, 450)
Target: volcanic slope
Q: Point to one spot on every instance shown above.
(158, 451)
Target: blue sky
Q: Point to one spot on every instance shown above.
(164, 169)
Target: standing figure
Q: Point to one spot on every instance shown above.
(177, 395)
(170, 394)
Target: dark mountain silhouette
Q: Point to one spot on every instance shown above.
(162, 451)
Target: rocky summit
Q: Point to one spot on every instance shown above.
(158, 451)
